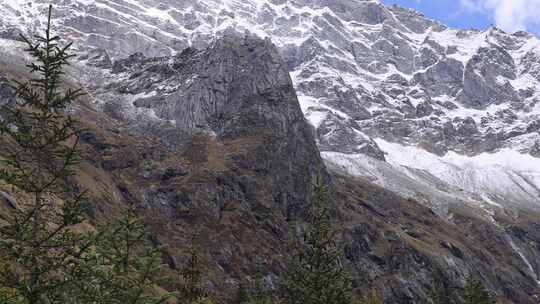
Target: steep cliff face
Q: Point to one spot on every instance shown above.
(237, 89)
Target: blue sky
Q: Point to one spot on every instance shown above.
(510, 15)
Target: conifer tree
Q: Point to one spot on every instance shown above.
(39, 150)
(476, 293)
(316, 275)
(125, 267)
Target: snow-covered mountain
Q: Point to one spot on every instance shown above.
(436, 113)
(448, 117)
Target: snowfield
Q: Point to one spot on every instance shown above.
(498, 179)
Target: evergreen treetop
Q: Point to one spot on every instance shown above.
(38, 155)
(316, 275)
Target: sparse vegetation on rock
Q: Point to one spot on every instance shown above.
(476, 293)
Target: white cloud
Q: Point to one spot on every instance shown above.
(509, 15)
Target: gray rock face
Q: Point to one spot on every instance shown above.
(97, 58)
(236, 89)
(205, 83)
(486, 79)
(6, 91)
(333, 133)
(445, 77)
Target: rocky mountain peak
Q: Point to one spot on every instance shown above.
(364, 72)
